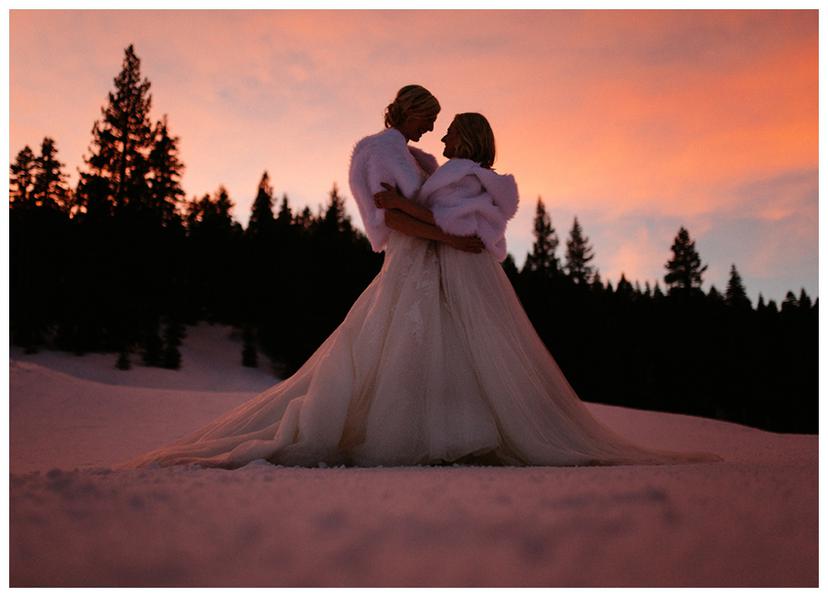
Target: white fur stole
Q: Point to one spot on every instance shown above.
(467, 199)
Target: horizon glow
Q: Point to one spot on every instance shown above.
(638, 122)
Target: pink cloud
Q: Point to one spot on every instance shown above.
(622, 113)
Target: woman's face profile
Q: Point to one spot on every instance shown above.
(451, 140)
(415, 127)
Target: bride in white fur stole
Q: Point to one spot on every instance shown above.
(527, 411)
(379, 389)
(435, 362)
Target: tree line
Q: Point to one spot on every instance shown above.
(124, 262)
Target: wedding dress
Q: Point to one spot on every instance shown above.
(435, 362)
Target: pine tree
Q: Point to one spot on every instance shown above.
(624, 289)
(285, 217)
(194, 211)
(223, 209)
(510, 267)
(261, 215)
(760, 304)
(542, 259)
(597, 282)
(21, 180)
(173, 333)
(49, 189)
(211, 213)
(578, 255)
(123, 360)
(790, 303)
(736, 296)
(165, 170)
(684, 270)
(804, 300)
(305, 219)
(334, 217)
(657, 294)
(121, 142)
(152, 346)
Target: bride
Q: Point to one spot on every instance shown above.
(436, 361)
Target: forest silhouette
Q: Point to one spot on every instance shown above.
(124, 262)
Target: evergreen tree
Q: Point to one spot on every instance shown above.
(21, 180)
(624, 289)
(736, 296)
(49, 189)
(152, 345)
(760, 304)
(173, 334)
(542, 259)
(305, 219)
(510, 267)
(597, 282)
(804, 300)
(790, 303)
(657, 294)
(285, 217)
(714, 296)
(334, 217)
(165, 171)
(261, 216)
(684, 270)
(223, 209)
(121, 142)
(578, 255)
(211, 213)
(123, 360)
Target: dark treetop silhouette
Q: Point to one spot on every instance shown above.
(96, 269)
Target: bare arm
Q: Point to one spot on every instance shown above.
(391, 198)
(411, 226)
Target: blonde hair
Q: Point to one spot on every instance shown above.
(411, 100)
(477, 141)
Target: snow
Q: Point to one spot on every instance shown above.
(748, 521)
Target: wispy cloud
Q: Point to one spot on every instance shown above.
(636, 121)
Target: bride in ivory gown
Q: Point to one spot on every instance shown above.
(436, 361)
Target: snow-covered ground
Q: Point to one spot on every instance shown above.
(748, 521)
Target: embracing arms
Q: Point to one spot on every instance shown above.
(402, 222)
(411, 218)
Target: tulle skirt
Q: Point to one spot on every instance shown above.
(436, 362)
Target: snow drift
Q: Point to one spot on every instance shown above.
(748, 521)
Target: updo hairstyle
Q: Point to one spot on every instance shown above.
(411, 100)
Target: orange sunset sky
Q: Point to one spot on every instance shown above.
(637, 122)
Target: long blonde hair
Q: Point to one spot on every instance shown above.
(477, 142)
(411, 100)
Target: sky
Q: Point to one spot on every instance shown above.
(636, 122)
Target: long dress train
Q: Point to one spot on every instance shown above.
(435, 362)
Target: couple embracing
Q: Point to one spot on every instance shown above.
(436, 362)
